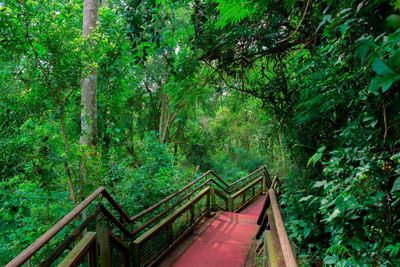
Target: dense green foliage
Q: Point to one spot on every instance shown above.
(309, 88)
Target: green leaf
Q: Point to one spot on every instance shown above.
(305, 198)
(317, 156)
(325, 19)
(234, 11)
(385, 83)
(364, 45)
(393, 249)
(362, 52)
(162, 2)
(40, 49)
(333, 215)
(331, 259)
(394, 60)
(320, 183)
(393, 21)
(381, 68)
(396, 185)
(356, 243)
(306, 232)
(344, 28)
(397, 4)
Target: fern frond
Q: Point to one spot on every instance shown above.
(235, 11)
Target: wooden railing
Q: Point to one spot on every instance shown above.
(275, 248)
(108, 236)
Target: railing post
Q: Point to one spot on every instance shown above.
(103, 240)
(264, 184)
(212, 202)
(192, 213)
(93, 255)
(230, 203)
(170, 232)
(136, 254)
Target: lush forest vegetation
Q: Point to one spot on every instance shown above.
(148, 94)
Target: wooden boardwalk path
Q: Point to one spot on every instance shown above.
(225, 242)
(176, 231)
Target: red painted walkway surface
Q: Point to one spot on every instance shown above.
(225, 242)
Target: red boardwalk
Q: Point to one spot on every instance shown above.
(225, 242)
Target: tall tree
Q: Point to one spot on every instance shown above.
(89, 84)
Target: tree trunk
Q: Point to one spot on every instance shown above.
(282, 148)
(161, 120)
(88, 136)
(66, 160)
(89, 84)
(272, 145)
(167, 117)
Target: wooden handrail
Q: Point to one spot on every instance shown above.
(45, 238)
(171, 217)
(175, 204)
(277, 226)
(248, 175)
(141, 214)
(155, 218)
(115, 205)
(257, 180)
(281, 231)
(78, 252)
(275, 181)
(158, 204)
(219, 178)
(71, 238)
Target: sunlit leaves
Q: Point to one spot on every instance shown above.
(317, 156)
(393, 249)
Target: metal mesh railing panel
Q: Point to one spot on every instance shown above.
(150, 249)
